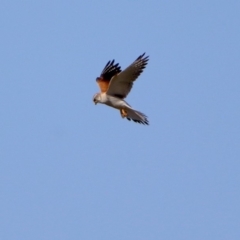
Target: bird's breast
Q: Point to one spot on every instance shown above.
(114, 102)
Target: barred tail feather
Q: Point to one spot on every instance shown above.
(137, 116)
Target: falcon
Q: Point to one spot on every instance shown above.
(116, 84)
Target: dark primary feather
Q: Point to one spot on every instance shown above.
(139, 64)
(137, 117)
(139, 121)
(110, 70)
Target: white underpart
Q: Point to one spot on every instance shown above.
(121, 104)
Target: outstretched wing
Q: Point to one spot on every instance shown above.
(121, 84)
(108, 72)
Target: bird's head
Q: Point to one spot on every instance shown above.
(96, 98)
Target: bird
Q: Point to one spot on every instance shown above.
(116, 84)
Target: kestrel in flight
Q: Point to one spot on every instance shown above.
(116, 84)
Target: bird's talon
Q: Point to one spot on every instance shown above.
(123, 113)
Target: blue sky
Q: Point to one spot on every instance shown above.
(73, 170)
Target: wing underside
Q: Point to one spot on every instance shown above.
(122, 83)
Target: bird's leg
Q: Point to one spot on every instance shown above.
(123, 113)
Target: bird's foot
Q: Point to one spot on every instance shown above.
(123, 113)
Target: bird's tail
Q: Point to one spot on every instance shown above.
(136, 116)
